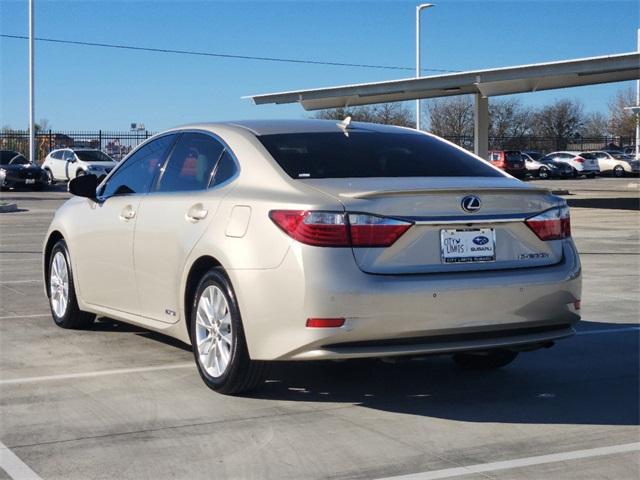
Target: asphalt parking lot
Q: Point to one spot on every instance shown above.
(118, 402)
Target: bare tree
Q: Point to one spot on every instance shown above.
(621, 121)
(509, 123)
(560, 121)
(596, 124)
(42, 125)
(386, 113)
(451, 117)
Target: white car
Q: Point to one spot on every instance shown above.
(67, 163)
(615, 164)
(534, 167)
(315, 240)
(581, 166)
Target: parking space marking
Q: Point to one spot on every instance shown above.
(99, 373)
(15, 468)
(11, 282)
(10, 317)
(519, 462)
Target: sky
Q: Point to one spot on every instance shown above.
(90, 88)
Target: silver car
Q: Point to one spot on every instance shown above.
(307, 240)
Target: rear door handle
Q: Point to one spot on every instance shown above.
(127, 213)
(196, 212)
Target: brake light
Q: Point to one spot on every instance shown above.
(579, 159)
(335, 229)
(553, 224)
(325, 322)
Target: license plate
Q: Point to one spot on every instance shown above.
(468, 245)
(29, 181)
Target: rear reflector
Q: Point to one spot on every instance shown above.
(579, 159)
(554, 224)
(336, 229)
(325, 322)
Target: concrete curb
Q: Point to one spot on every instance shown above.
(8, 207)
(561, 192)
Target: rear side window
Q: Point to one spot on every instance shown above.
(191, 163)
(371, 154)
(225, 170)
(57, 155)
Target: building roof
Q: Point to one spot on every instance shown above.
(489, 82)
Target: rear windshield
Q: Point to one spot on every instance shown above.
(371, 154)
(513, 156)
(92, 156)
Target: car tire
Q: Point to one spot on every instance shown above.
(62, 294)
(490, 360)
(218, 340)
(50, 180)
(543, 173)
(618, 171)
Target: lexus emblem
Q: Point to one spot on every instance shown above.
(471, 204)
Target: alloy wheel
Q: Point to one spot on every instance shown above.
(618, 171)
(214, 331)
(59, 284)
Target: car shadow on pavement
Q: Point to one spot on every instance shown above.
(588, 379)
(621, 203)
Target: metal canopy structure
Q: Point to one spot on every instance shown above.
(481, 83)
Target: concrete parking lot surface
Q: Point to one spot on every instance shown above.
(118, 402)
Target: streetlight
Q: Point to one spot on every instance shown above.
(419, 8)
(32, 133)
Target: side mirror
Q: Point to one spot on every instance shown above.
(84, 186)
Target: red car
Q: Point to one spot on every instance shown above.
(510, 161)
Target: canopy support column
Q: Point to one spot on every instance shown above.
(481, 126)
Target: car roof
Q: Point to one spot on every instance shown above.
(273, 127)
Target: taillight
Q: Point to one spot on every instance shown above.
(335, 229)
(579, 159)
(553, 224)
(373, 231)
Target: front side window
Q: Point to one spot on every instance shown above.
(191, 163)
(371, 154)
(139, 171)
(68, 155)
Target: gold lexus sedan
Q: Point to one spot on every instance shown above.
(310, 239)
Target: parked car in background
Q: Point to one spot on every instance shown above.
(616, 164)
(67, 163)
(301, 240)
(534, 167)
(635, 167)
(630, 150)
(557, 169)
(510, 161)
(580, 166)
(532, 154)
(17, 171)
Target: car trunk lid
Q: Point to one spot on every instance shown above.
(434, 207)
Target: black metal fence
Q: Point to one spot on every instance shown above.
(119, 144)
(115, 144)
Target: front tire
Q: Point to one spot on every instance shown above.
(50, 180)
(543, 173)
(618, 171)
(490, 360)
(62, 294)
(218, 340)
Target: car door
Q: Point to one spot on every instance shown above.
(57, 165)
(104, 248)
(69, 165)
(175, 216)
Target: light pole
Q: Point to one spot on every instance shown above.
(32, 133)
(419, 8)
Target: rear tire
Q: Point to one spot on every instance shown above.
(618, 171)
(218, 340)
(543, 173)
(62, 294)
(490, 360)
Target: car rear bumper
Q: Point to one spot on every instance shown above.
(389, 315)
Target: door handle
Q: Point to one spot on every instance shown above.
(196, 212)
(127, 213)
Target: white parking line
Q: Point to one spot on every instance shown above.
(12, 282)
(15, 468)
(519, 463)
(9, 317)
(99, 373)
